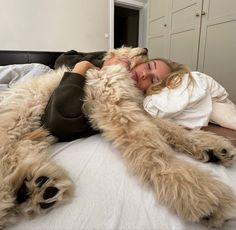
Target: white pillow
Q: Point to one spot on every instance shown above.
(224, 114)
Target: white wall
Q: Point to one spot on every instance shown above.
(54, 25)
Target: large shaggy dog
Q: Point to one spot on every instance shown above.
(31, 183)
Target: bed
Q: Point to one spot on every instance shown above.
(107, 196)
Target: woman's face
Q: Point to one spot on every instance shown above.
(149, 73)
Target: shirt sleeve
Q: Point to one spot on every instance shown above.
(63, 115)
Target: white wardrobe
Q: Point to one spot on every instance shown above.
(200, 33)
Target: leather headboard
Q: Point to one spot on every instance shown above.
(8, 57)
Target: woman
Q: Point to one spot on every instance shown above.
(189, 98)
(63, 115)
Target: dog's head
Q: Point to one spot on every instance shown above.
(135, 55)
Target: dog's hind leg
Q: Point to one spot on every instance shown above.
(30, 182)
(36, 184)
(200, 145)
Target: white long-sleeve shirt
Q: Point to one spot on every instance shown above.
(189, 104)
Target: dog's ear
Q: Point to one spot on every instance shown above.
(110, 54)
(136, 55)
(137, 60)
(123, 51)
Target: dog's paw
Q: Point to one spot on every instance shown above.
(211, 148)
(224, 212)
(201, 197)
(43, 191)
(47, 194)
(221, 153)
(221, 156)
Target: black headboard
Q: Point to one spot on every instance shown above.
(8, 57)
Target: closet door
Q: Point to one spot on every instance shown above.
(158, 28)
(174, 30)
(217, 55)
(185, 16)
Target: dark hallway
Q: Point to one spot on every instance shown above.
(126, 28)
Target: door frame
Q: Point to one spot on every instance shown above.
(132, 4)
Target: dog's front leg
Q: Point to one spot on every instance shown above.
(200, 145)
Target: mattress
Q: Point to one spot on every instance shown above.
(108, 196)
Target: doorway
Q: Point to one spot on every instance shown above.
(126, 27)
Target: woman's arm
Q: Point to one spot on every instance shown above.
(63, 115)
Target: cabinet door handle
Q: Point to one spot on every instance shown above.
(203, 13)
(165, 25)
(197, 14)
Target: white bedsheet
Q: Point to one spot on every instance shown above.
(107, 196)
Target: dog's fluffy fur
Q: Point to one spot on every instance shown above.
(114, 105)
(27, 174)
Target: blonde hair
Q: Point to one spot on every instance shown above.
(173, 79)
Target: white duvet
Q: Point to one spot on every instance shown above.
(107, 196)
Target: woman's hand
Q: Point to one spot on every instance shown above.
(118, 60)
(82, 67)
